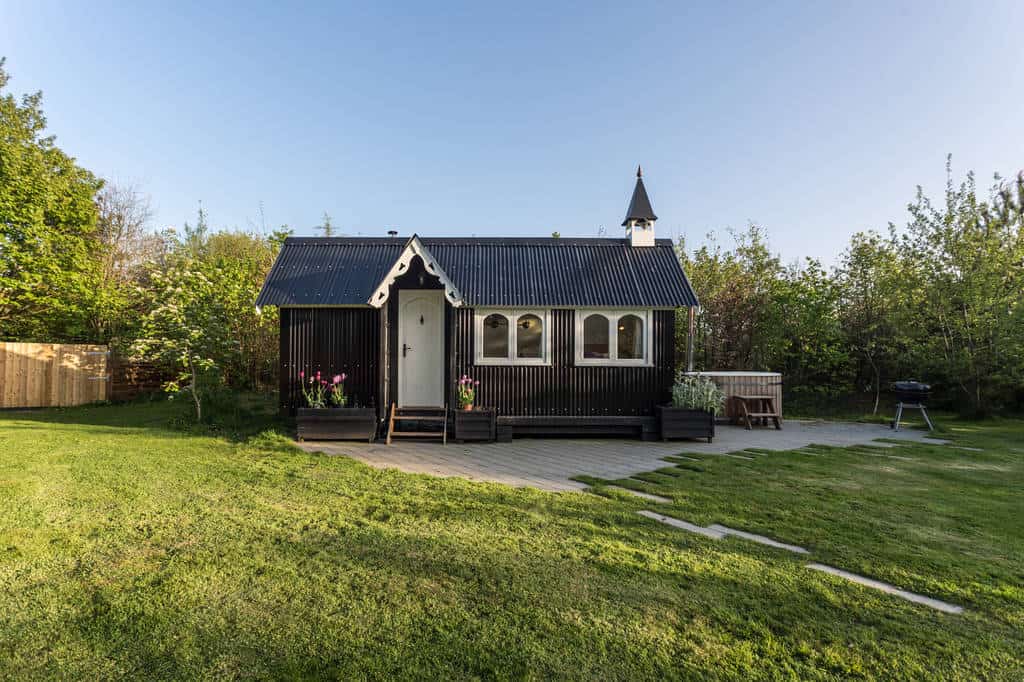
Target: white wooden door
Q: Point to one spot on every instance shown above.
(420, 348)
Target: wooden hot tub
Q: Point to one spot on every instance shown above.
(746, 383)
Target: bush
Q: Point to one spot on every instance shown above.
(696, 392)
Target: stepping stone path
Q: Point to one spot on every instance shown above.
(964, 447)
(638, 493)
(754, 537)
(717, 532)
(699, 530)
(937, 604)
(736, 456)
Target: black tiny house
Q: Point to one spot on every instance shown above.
(566, 335)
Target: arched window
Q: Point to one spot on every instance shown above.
(495, 336)
(512, 336)
(529, 337)
(614, 337)
(630, 338)
(595, 337)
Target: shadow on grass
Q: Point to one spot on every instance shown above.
(236, 422)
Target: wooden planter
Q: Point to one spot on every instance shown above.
(480, 423)
(343, 423)
(681, 422)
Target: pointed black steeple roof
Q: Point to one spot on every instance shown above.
(640, 204)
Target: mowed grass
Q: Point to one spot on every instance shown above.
(130, 549)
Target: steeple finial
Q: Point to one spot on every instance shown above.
(639, 172)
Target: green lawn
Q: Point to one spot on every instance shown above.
(130, 549)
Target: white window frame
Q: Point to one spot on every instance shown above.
(512, 315)
(613, 315)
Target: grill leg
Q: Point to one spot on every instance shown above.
(924, 412)
(899, 414)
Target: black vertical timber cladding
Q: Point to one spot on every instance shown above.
(331, 341)
(563, 389)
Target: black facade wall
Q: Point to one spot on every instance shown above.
(331, 341)
(562, 389)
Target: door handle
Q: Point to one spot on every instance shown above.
(405, 348)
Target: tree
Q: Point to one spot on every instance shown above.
(327, 227)
(187, 328)
(873, 303)
(125, 246)
(48, 268)
(966, 260)
(194, 242)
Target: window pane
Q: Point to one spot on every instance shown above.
(595, 337)
(529, 333)
(495, 336)
(631, 338)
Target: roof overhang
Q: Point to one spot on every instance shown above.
(414, 247)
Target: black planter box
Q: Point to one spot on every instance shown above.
(342, 423)
(682, 422)
(480, 423)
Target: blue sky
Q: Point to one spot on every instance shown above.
(816, 120)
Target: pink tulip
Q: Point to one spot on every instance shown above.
(343, 376)
(318, 375)
(338, 379)
(476, 383)
(302, 375)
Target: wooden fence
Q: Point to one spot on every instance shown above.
(52, 374)
(131, 378)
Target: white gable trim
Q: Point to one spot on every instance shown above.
(414, 248)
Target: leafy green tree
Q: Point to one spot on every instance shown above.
(737, 326)
(966, 261)
(187, 328)
(814, 355)
(875, 297)
(239, 262)
(48, 265)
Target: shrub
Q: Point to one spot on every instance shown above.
(696, 392)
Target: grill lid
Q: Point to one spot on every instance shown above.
(911, 387)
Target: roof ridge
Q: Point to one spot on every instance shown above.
(400, 242)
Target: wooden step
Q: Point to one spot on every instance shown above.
(427, 414)
(417, 434)
(763, 414)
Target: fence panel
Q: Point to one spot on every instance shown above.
(52, 374)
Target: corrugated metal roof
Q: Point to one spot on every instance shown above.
(488, 272)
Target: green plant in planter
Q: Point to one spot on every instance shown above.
(696, 392)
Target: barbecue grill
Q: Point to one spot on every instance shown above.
(911, 395)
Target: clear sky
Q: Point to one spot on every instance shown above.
(503, 119)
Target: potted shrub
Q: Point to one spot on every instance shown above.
(328, 416)
(696, 400)
(470, 423)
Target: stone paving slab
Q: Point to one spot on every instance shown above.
(761, 539)
(641, 494)
(668, 520)
(549, 464)
(937, 604)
